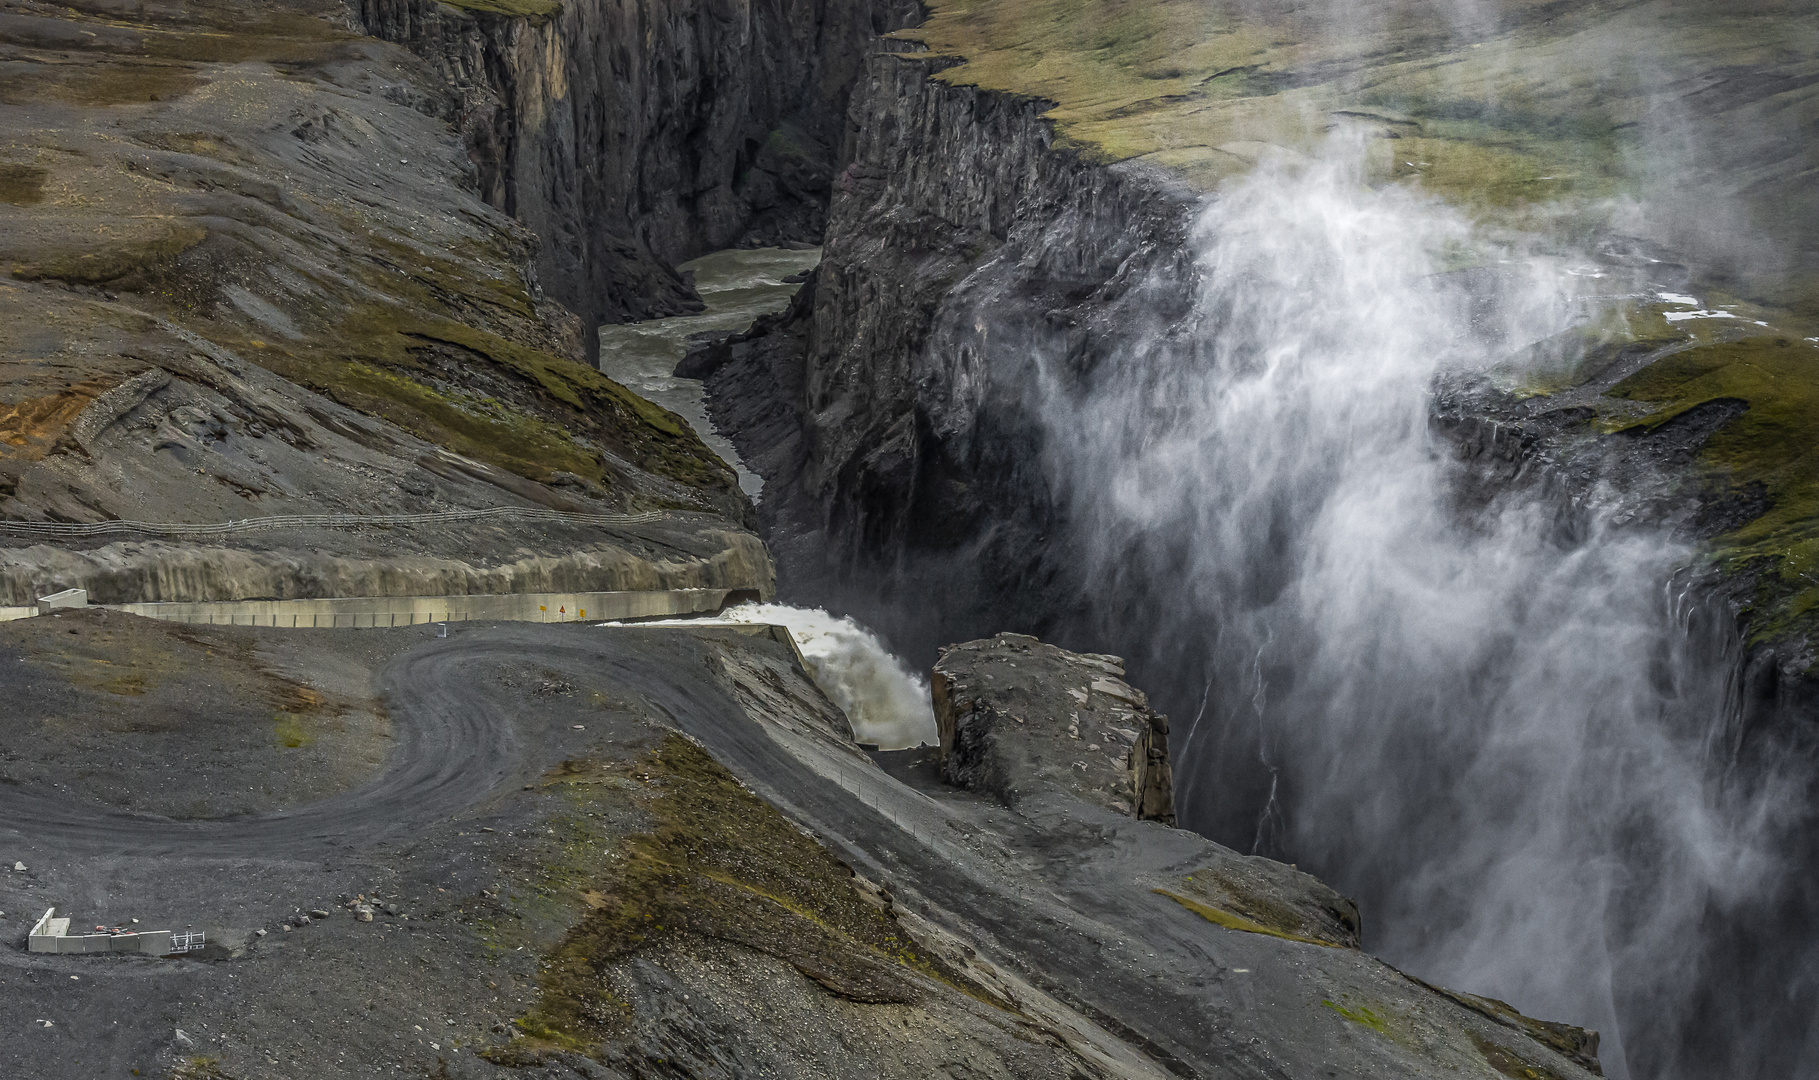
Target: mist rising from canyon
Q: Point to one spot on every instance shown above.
(1496, 716)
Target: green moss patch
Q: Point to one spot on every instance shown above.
(1774, 443)
(1233, 921)
(1497, 117)
(377, 360)
(1201, 87)
(1509, 1063)
(22, 185)
(1261, 896)
(131, 261)
(1363, 1015)
(1573, 1043)
(472, 425)
(97, 84)
(291, 731)
(719, 864)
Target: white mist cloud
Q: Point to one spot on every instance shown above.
(1493, 724)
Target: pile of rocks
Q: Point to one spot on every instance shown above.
(303, 918)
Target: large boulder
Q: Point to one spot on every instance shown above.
(1018, 717)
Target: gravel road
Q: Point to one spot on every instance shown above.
(1054, 899)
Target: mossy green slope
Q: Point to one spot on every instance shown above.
(1773, 443)
(546, 414)
(718, 864)
(1527, 100)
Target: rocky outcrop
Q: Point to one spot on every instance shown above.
(967, 258)
(1019, 717)
(631, 135)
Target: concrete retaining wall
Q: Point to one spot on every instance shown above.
(370, 611)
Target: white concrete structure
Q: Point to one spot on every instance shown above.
(381, 611)
(68, 598)
(51, 935)
(414, 610)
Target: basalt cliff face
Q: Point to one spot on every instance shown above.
(1012, 211)
(891, 408)
(631, 136)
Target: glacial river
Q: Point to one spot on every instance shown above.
(738, 286)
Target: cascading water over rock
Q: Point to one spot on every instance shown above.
(1492, 717)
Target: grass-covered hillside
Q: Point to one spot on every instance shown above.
(1501, 103)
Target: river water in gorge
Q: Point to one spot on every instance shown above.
(737, 285)
(887, 703)
(1502, 726)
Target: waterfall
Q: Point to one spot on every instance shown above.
(1492, 719)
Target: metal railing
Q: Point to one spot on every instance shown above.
(187, 941)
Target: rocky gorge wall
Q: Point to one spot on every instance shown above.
(967, 256)
(973, 255)
(631, 135)
(978, 265)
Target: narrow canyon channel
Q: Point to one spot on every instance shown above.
(737, 286)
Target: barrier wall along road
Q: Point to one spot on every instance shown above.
(383, 611)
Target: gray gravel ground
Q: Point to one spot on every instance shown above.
(1049, 907)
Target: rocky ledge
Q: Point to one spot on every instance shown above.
(1193, 959)
(1019, 717)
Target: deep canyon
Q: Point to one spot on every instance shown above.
(1381, 433)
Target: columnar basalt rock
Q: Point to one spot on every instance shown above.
(634, 134)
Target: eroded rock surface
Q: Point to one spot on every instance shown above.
(248, 274)
(1019, 717)
(635, 135)
(673, 551)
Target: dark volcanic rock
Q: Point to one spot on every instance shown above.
(898, 443)
(1019, 717)
(631, 136)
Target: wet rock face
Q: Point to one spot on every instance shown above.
(1018, 717)
(891, 410)
(633, 135)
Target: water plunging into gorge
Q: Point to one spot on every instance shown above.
(1496, 717)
